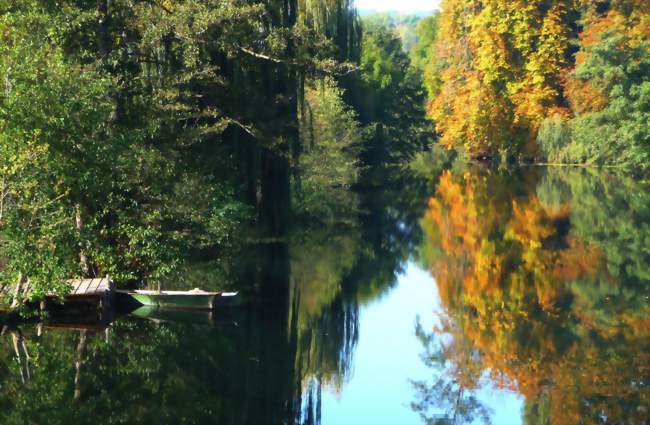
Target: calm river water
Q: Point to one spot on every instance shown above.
(473, 296)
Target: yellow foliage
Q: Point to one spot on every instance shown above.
(505, 267)
(500, 67)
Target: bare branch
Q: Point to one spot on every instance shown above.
(261, 56)
(350, 69)
(247, 129)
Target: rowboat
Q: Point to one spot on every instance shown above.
(195, 299)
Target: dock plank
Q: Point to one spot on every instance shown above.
(89, 286)
(78, 287)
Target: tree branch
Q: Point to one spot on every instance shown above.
(261, 56)
(349, 70)
(243, 127)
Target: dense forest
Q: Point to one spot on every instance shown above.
(559, 81)
(305, 154)
(136, 135)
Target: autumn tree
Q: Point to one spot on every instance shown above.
(497, 68)
(607, 91)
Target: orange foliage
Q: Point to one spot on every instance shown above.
(504, 267)
(500, 68)
(626, 17)
(499, 65)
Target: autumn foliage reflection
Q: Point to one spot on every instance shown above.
(534, 302)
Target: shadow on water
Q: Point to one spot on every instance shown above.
(266, 362)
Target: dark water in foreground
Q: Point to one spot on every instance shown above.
(516, 297)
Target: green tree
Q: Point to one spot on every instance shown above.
(426, 31)
(329, 166)
(156, 127)
(391, 101)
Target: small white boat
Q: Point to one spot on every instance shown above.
(195, 299)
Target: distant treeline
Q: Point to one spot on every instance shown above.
(563, 81)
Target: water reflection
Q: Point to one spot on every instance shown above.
(544, 281)
(265, 363)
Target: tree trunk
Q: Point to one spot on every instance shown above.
(17, 290)
(83, 258)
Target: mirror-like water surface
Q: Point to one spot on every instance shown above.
(518, 297)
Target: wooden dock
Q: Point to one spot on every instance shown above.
(100, 289)
(85, 294)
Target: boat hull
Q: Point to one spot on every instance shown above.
(176, 315)
(194, 302)
(191, 300)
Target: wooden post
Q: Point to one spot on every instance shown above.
(27, 357)
(26, 288)
(111, 291)
(19, 283)
(39, 328)
(83, 259)
(14, 339)
(18, 343)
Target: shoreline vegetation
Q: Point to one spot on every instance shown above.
(139, 137)
(150, 141)
(346, 173)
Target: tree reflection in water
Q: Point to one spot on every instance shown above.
(544, 282)
(267, 362)
(451, 397)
